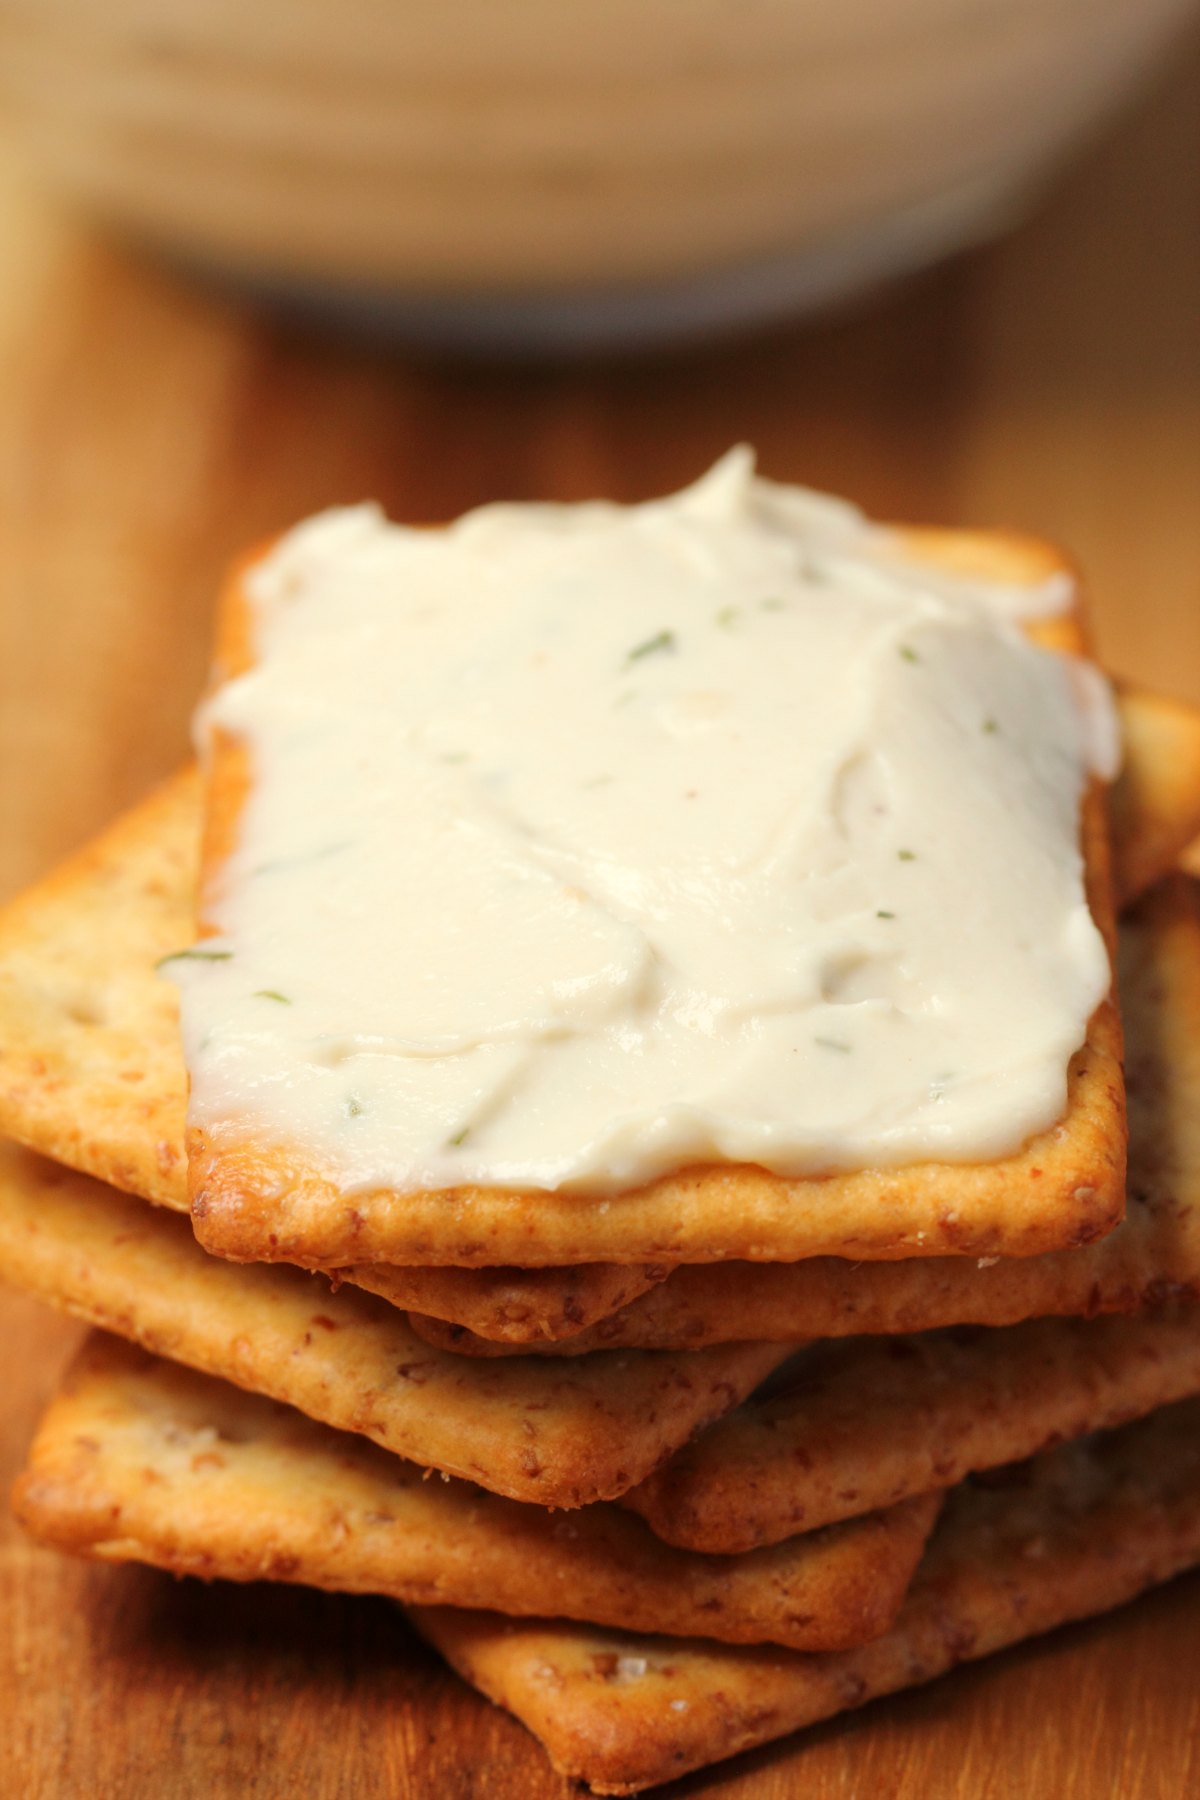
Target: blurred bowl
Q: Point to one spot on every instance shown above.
(529, 171)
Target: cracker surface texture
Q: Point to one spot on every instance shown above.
(557, 1434)
(138, 1459)
(850, 1426)
(1080, 1530)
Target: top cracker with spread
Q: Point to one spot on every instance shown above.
(694, 880)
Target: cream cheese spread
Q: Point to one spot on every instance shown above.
(588, 842)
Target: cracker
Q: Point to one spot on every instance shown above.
(90, 1066)
(138, 1459)
(516, 1306)
(1065, 1187)
(848, 1427)
(1152, 1256)
(558, 1434)
(1082, 1529)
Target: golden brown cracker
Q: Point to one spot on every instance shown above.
(851, 1426)
(90, 1065)
(138, 1459)
(271, 1201)
(1152, 1256)
(517, 1306)
(1081, 1529)
(557, 1434)
(1060, 1190)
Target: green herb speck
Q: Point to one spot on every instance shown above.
(882, 914)
(354, 1107)
(833, 1044)
(728, 616)
(907, 855)
(653, 646)
(990, 727)
(772, 603)
(194, 955)
(460, 1137)
(909, 654)
(453, 757)
(271, 994)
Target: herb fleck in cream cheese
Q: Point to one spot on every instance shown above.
(585, 842)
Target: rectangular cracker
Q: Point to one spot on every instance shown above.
(1065, 1187)
(1152, 1256)
(518, 1306)
(557, 1434)
(139, 1460)
(1080, 1530)
(852, 1426)
(90, 1069)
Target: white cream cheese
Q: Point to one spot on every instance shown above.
(587, 842)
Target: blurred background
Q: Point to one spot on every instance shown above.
(940, 255)
(529, 174)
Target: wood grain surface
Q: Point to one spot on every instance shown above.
(148, 430)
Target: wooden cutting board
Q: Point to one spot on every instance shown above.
(147, 431)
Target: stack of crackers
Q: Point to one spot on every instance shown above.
(719, 1458)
